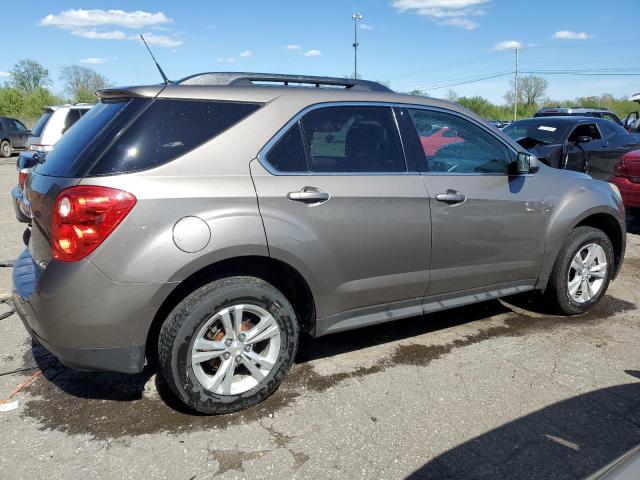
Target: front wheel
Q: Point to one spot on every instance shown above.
(582, 271)
(228, 345)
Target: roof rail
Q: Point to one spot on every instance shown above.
(247, 79)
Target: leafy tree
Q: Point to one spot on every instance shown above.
(419, 93)
(82, 82)
(452, 96)
(11, 102)
(531, 92)
(28, 75)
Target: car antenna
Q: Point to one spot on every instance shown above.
(164, 77)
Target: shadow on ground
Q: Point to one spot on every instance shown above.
(110, 405)
(569, 439)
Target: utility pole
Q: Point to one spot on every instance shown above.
(515, 98)
(356, 16)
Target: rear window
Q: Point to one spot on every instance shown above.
(65, 158)
(168, 129)
(36, 131)
(130, 135)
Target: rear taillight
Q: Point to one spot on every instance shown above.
(620, 170)
(23, 173)
(84, 216)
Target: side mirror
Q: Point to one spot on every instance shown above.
(527, 163)
(583, 139)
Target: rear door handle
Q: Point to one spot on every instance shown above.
(450, 197)
(309, 195)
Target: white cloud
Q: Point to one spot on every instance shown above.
(4, 74)
(159, 40)
(95, 35)
(80, 18)
(226, 60)
(292, 46)
(571, 35)
(312, 53)
(507, 45)
(453, 11)
(95, 60)
(246, 53)
(459, 22)
(365, 26)
(106, 25)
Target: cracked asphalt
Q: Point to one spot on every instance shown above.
(495, 390)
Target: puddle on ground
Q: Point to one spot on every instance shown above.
(109, 405)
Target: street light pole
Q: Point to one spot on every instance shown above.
(356, 16)
(515, 99)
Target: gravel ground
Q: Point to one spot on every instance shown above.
(495, 390)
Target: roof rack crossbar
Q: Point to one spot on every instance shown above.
(247, 79)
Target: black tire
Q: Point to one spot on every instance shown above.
(5, 149)
(557, 292)
(182, 325)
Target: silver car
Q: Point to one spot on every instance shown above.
(53, 123)
(208, 222)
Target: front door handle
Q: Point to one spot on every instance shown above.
(309, 195)
(450, 197)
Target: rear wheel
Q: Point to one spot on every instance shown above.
(582, 271)
(228, 345)
(5, 149)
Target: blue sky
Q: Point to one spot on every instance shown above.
(421, 44)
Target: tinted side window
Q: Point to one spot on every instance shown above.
(453, 144)
(288, 154)
(20, 126)
(2, 123)
(73, 115)
(168, 129)
(585, 130)
(353, 139)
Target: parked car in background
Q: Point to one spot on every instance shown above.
(632, 120)
(626, 176)
(578, 112)
(53, 123)
(209, 221)
(26, 161)
(584, 144)
(13, 136)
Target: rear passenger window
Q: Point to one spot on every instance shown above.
(455, 145)
(288, 154)
(353, 139)
(168, 129)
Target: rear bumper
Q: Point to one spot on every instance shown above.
(629, 190)
(88, 321)
(16, 200)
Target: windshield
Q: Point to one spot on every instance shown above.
(42, 121)
(72, 144)
(542, 130)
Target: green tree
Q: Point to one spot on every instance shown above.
(82, 82)
(11, 102)
(35, 101)
(28, 75)
(419, 93)
(531, 92)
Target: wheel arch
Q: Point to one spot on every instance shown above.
(612, 229)
(278, 273)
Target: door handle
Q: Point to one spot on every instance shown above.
(309, 195)
(450, 197)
